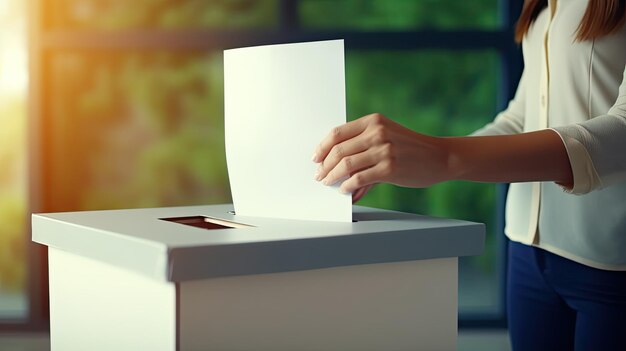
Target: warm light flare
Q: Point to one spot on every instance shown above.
(13, 64)
(4, 8)
(13, 53)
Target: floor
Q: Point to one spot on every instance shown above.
(470, 340)
(483, 340)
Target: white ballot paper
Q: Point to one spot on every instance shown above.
(280, 101)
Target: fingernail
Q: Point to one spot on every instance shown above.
(325, 181)
(314, 157)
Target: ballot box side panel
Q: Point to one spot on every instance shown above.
(97, 306)
(389, 306)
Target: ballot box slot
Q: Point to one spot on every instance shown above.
(208, 223)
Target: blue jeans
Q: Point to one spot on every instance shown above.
(557, 304)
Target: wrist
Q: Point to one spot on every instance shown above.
(455, 163)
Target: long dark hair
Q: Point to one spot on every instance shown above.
(602, 17)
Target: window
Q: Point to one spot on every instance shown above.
(126, 105)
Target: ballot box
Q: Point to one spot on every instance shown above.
(204, 278)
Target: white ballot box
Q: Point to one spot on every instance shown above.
(202, 278)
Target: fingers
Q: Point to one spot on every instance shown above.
(366, 177)
(359, 193)
(337, 154)
(352, 164)
(338, 135)
(349, 152)
(348, 166)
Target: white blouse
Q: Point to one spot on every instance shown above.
(577, 89)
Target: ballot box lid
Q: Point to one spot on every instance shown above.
(171, 244)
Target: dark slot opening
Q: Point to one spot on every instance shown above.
(206, 222)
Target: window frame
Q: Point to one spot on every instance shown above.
(44, 41)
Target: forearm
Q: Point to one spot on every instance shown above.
(535, 156)
(373, 149)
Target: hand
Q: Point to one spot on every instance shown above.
(360, 192)
(374, 149)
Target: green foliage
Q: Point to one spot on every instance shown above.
(399, 14)
(147, 130)
(167, 14)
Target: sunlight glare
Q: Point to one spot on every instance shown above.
(4, 8)
(13, 53)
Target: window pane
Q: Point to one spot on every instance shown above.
(119, 14)
(438, 93)
(13, 195)
(399, 14)
(135, 130)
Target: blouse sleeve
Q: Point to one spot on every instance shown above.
(596, 147)
(511, 120)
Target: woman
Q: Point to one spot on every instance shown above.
(562, 143)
